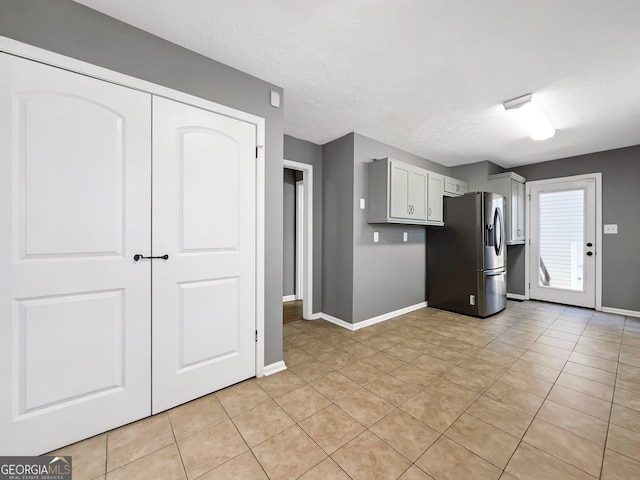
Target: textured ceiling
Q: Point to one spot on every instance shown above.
(427, 76)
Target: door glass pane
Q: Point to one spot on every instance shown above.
(562, 240)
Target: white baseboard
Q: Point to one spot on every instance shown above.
(516, 296)
(274, 368)
(372, 321)
(620, 311)
(336, 321)
(316, 316)
(288, 298)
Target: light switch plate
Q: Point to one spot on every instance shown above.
(611, 229)
(405, 236)
(362, 203)
(376, 237)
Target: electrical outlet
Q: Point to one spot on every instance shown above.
(611, 229)
(376, 237)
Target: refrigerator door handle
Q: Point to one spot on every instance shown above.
(498, 239)
(493, 273)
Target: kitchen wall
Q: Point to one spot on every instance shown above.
(337, 234)
(302, 151)
(289, 232)
(391, 274)
(620, 203)
(71, 29)
(476, 174)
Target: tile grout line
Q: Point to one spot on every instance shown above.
(175, 441)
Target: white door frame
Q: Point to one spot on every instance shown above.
(299, 242)
(307, 254)
(597, 177)
(23, 50)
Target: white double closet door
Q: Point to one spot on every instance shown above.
(92, 174)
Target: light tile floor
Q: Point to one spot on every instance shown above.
(539, 391)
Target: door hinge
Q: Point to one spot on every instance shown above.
(256, 335)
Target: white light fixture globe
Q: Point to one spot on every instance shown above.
(530, 116)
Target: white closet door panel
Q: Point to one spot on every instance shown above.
(74, 209)
(204, 217)
(71, 139)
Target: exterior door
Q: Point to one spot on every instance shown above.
(204, 219)
(75, 164)
(563, 241)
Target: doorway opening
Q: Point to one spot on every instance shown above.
(564, 221)
(298, 241)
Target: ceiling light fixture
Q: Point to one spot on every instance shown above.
(530, 116)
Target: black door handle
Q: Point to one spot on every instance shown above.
(589, 254)
(138, 256)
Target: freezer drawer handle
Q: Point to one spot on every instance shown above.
(493, 274)
(138, 256)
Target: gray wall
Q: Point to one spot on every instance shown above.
(337, 235)
(289, 232)
(475, 174)
(71, 29)
(620, 203)
(515, 269)
(390, 274)
(306, 152)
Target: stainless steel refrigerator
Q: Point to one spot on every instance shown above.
(466, 259)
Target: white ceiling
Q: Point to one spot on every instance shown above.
(427, 76)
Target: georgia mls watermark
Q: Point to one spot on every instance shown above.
(35, 468)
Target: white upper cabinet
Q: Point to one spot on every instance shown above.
(403, 193)
(454, 187)
(408, 191)
(434, 204)
(512, 186)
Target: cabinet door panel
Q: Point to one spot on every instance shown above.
(399, 195)
(418, 195)
(521, 209)
(435, 198)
